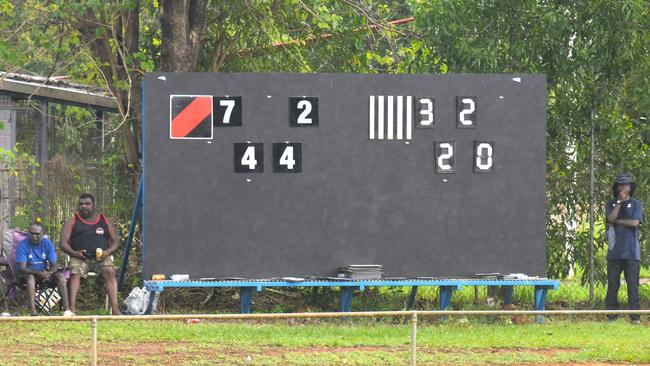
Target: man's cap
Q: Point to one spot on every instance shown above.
(623, 178)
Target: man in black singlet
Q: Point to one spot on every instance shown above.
(81, 238)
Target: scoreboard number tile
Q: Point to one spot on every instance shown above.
(303, 111)
(287, 157)
(466, 112)
(227, 111)
(483, 156)
(249, 157)
(425, 112)
(445, 156)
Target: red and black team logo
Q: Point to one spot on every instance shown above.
(190, 116)
(99, 231)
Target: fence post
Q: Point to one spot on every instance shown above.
(414, 331)
(93, 342)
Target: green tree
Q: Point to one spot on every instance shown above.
(592, 53)
(22, 172)
(111, 44)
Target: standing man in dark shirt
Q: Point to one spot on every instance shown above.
(90, 239)
(624, 215)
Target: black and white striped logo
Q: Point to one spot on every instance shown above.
(390, 117)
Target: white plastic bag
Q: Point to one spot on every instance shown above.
(138, 301)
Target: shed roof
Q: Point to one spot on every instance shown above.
(56, 90)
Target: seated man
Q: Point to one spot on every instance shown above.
(36, 263)
(90, 239)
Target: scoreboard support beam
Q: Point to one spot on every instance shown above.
(129, 240)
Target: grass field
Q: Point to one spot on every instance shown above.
(456, 341)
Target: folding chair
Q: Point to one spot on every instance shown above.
(8, 246)
(3, 265)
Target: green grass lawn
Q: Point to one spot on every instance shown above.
(458, 341)
(332, 342)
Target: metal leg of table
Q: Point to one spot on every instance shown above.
(540, 300)
(245, 299)
(507, 296)
(445, 296)
(152, 297)
(347, 293)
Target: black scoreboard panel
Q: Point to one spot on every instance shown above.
(270, 175)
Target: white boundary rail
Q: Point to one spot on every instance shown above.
(413, 314)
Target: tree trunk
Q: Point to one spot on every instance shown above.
(132, 130)
(181, 25)
(126, 35)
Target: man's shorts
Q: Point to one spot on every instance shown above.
(22, 278)
(82, 267)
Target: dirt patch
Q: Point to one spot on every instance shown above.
(174, 353)
(114, 354)
(541, 351)
(585, 364)
(141, 349)
(281, 351)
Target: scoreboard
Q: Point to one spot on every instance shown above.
(264, 175)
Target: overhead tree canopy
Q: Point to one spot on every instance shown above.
(595, 56)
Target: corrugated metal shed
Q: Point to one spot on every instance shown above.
(40, 117)
(57, 91)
